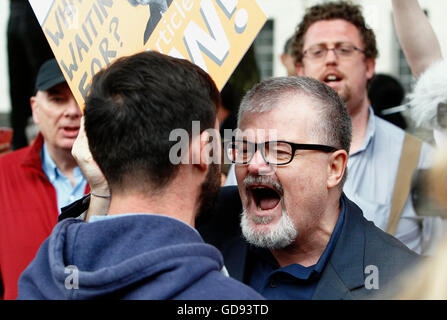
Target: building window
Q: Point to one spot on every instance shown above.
(264, 50)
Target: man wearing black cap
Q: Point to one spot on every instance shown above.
(36, 181)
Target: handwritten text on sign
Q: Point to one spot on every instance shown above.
(88, 35)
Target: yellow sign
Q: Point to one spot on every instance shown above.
(86, 36)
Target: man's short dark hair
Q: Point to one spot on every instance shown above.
(332, 11)
(131, 109)
(288, 46)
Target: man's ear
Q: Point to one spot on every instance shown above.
(200, 150)
(338, 161)
(370, 67)
(211, 146)
(34, 109)
(283, 58)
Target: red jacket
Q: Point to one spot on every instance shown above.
(28, 212)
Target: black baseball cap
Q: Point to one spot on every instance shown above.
(49, 75)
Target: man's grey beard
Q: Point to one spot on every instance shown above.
(278, 237)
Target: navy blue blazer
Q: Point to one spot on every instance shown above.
(360, 244)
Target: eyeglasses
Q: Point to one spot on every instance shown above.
(341, 50)
(273, 152)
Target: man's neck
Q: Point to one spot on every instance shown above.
(64, 161)
(168, 204)
(308, 247)
(359, 118)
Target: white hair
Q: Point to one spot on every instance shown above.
(280, 235)
(429, 92)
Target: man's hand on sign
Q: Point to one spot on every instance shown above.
(99, 188)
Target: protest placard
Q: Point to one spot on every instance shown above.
(85, 36)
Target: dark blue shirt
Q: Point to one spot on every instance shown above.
(293, 281)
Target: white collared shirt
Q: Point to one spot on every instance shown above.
(372, 172)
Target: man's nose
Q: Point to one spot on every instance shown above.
(72, 109)
(331, 56)
(258, 166)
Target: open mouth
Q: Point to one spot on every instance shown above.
(265, 198)
(331, 78)
(70, 131)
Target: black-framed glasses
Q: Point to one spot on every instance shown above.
(273, 152)
(341, 50)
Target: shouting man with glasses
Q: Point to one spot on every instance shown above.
(307, 240)
(334, 45)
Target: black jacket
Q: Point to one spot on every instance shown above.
(361, 249)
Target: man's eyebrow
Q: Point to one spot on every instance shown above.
(335, 43)
(54, 91)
